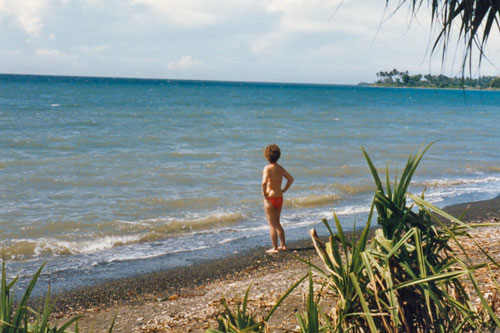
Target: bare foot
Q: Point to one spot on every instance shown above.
(273, 250)
(282, 248)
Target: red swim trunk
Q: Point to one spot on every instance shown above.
(277, 202)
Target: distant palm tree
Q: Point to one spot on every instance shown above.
(476, 19)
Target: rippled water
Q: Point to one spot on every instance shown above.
(98, 175)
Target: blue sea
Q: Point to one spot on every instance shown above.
(105, 178)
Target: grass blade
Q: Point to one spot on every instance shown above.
(449, 275)
(112, 324)
(364, 305)
(292, 288)
(374, 172)
(422, 203)
(47, 310)
(484, 303)
(24, 301)
(67, 324)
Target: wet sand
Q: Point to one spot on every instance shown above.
(477, 211)
(188, 299)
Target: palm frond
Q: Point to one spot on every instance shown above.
(476, 21)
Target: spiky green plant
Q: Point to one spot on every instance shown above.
(408, 277)
(394, 216)
(313, 320)
(415, 246)
(16, 317)
(241, 320)
(20, 317)
(309, 321)
(344, 268)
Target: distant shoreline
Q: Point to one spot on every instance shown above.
(396, 78)
(367, 85)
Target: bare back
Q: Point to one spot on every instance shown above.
(272, 178)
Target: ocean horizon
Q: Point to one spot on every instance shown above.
(104, 178)
(50, 77)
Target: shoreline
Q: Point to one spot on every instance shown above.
(140, 300)
(168, 283)
(429, 88)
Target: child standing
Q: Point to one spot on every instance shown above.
(272, 177)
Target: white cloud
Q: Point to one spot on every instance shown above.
(305, 15)
(192, 14)
(186, 13)
(268, 43)
(11, 53)
(25, 12)
(50, 53)
(317, 18)
(329, 22)
(186, 62)
(94, 49)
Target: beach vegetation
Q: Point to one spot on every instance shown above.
(243, 321)
(20, 317)
(239, 321)
(408, 276)
(396, 78)
(495, 83)
(309, 321)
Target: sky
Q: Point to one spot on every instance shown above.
(308, 41)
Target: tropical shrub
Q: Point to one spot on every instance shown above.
(21, 318)
(239, 321)
(242, 321)
(408, 277)
(495, 83)
(17, 317)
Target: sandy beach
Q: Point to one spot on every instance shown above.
(189, 299)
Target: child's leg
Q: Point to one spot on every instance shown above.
(270, 214)
(279, 229)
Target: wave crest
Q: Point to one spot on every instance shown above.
(439, 183)
(312, 201)
(135, 232)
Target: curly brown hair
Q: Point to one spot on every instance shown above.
(272, 153)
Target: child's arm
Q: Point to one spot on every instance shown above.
(265, 174)
(289, 180)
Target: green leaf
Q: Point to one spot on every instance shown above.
(47, 310)
(245, 299)
(387, 182)
(374, 172)
(364, 304)
(24, 301)
(67, 324)
(292, 288)
(431, 278)
(484, 303)
(422, 203)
